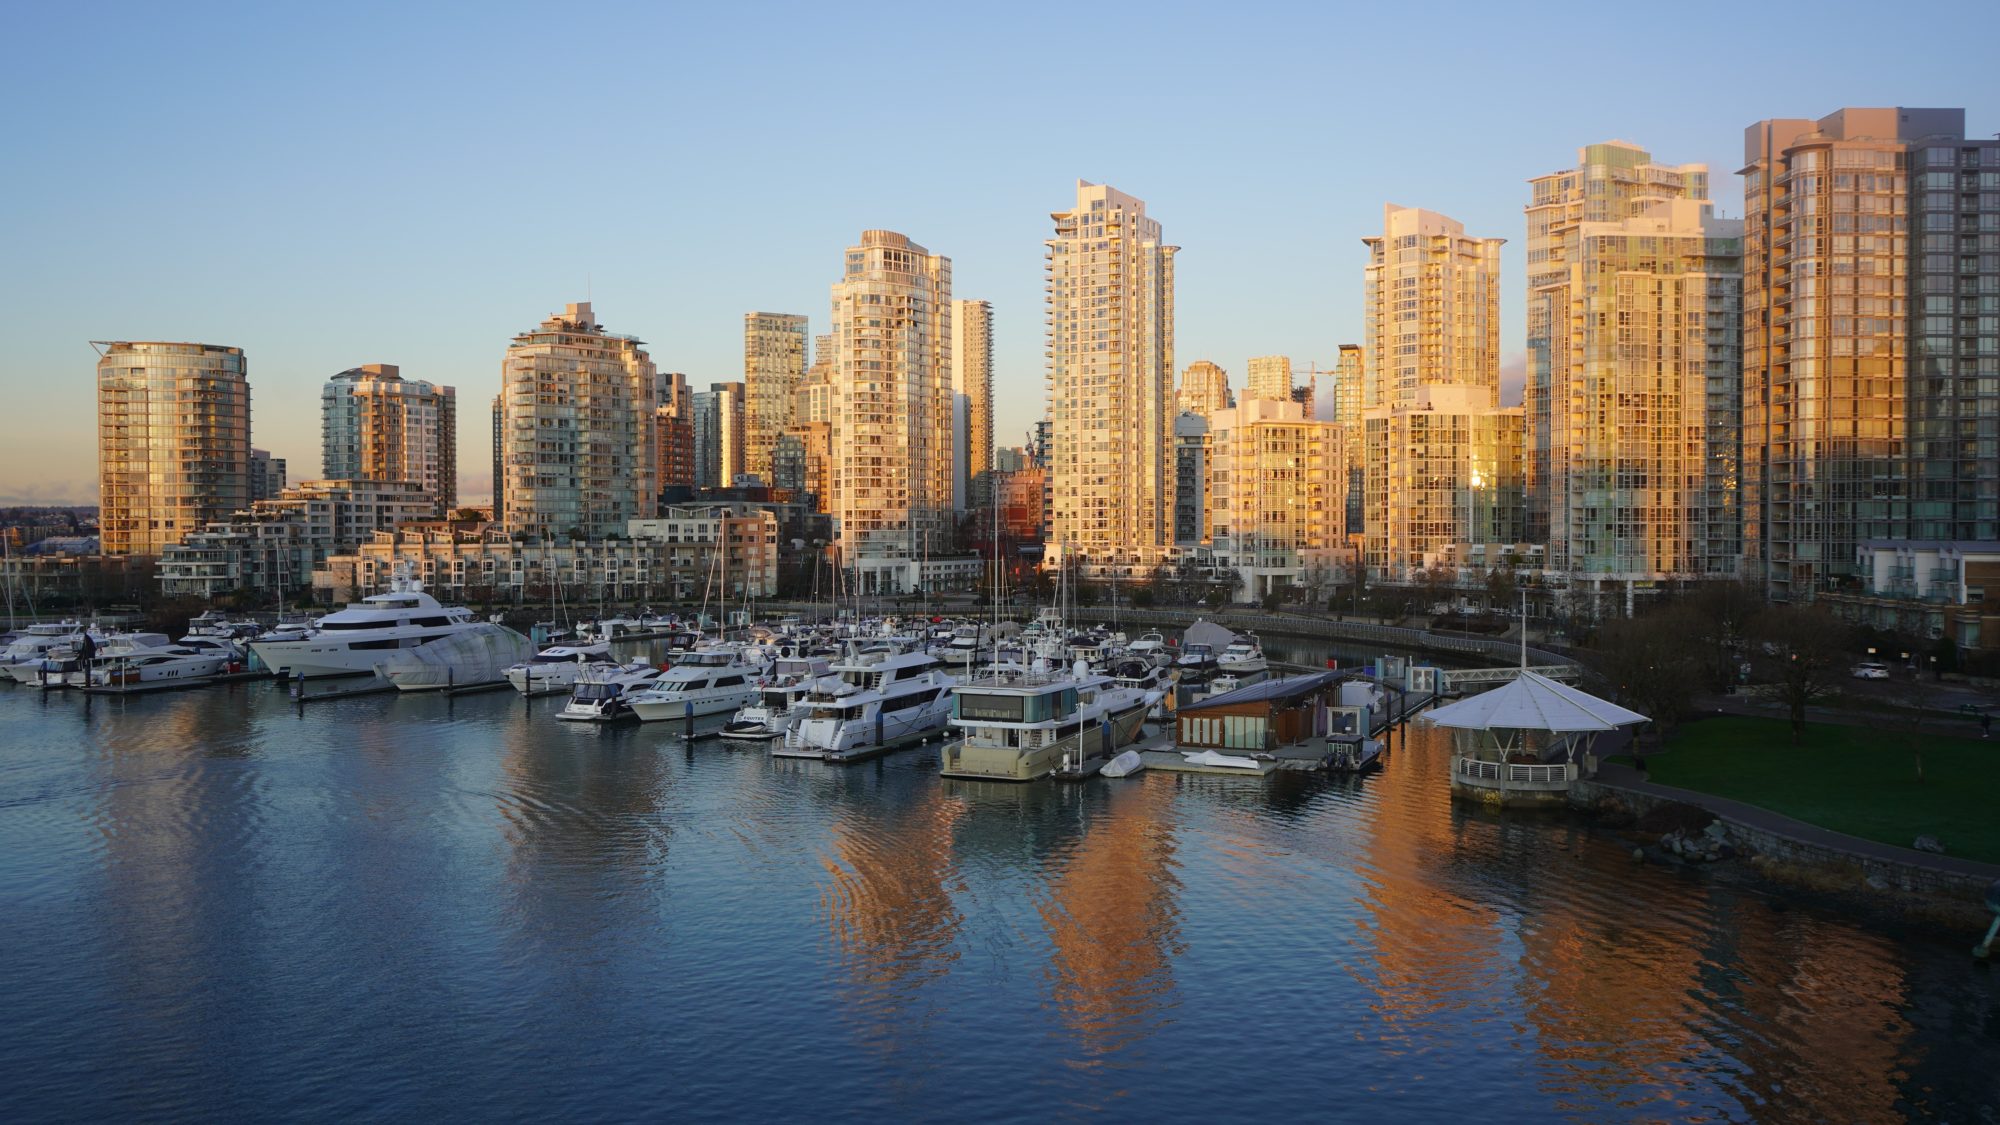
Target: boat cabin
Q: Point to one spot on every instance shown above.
(1263, 716)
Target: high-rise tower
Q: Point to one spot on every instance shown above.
(972, 377)
(173, 441)
(1869, 340)
(1442, 458)
(578, 428)
(1632, 397)
(774, 360)
(891, 425)
(377, 425)
(1111, 372)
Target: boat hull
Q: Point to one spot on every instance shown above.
(655, 711)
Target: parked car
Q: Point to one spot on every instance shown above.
(1869, 670)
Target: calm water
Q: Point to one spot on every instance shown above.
(213, 908)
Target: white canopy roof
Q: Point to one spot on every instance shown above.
(1534, 702)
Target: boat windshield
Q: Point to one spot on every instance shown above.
(595, 693)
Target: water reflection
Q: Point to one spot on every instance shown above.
(1112, 922)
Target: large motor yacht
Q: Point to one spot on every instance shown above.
(703, 682)
(151, 666)
(1021, 724)
(882, 699)
(357, 638)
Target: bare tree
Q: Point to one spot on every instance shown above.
(1806, 648)
(1649, 665)
(1722, 614)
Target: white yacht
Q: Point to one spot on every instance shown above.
(1243, 656)
(1196, 662)
(63, 667)
(606, 696)
(215, 624)
(704, 682)
(780, 704)
(152, 665)
(552, 670)
(881, 699)
(1022, 724)
(1152, 647)
(961, 650)
(357, 638)
(21, 661)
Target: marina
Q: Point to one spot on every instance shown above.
(452, 872)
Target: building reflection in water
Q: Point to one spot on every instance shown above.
(1654, 992)
(1112, 920)
(887, 898)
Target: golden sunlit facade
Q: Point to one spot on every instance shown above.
(1204, 389)
(173, 442)
(1431, 308)
(972, 376)
(579, 451)
(376, 425)
(1443, 473)
(891, 426)
(1634, 435)
(1270, 378)
(1111, 381)
(1276, 492)
(1611, 182)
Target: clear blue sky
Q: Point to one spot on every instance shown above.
(330, 185)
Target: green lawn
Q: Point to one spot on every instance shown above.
(1852, 779)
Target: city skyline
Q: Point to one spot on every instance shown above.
(290, 255)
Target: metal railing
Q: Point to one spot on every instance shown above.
(1460, 677)
(1474, 769)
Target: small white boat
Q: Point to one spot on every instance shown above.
(606, 697)
(554, 669)
(1213, 758)
(780, 703)
(1196, 662)
(1153, 647)
(1244, 656)
(1124, 765)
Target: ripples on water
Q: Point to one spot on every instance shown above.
(213, 907)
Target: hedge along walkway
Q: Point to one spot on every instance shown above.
(1855, 780)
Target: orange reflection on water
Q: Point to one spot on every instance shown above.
(1112, 920)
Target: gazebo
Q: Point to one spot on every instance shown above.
(1519, 745)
